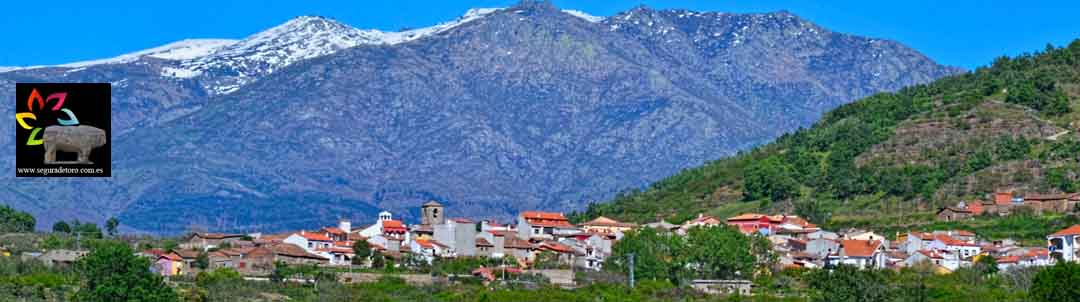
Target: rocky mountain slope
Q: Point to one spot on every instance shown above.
(527, 107)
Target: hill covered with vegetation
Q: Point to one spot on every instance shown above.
(897, 156)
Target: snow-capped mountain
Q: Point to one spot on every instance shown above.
(500, 110)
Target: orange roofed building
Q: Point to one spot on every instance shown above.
(544, 225)
(607, 226)
(753, 222)
(1063, 243)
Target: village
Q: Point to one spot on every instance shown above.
(586, 246)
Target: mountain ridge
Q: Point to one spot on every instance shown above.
(527, 107)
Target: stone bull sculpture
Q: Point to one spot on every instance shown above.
(77, 139)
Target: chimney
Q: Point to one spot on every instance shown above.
(345, 225)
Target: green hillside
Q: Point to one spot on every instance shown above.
(897, 156)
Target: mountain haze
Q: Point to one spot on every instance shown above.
(527, 107)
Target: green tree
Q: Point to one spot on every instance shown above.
(980, 160)
(202, 261)
(61, 227)
(1055, 283)
(1059, 178)
(986, 265)
(719, 252)
(849, 284)
(111, 225)
(15, 221)
(362, 251)
(87, 230)
(218, 276)
(112, 272)
(657, 256)
(769, 178)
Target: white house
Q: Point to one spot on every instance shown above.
(1062, 244)
(962, 249)
(544, 225)
(310, 242)
(859, 253)
(377, 227)
(429, 249)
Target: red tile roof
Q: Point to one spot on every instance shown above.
(607, 222)
(860, 248)
(1003, 198)
(546, 219)
(555, 247)
(347, 244)
(483, 242)
(393, 226)
(315, 236)
(461, 220)
(1073, 230)
(1008, 259)
(291, 250)
(171, 256)
(976, 207)
(947, 240)
(931, 254)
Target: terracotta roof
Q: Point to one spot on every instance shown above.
(546, 219)
(976, 207)
(1003, 198)
(427, 244)
(607, 222)
(171, 256)
(860, 248)
(963, 233)
(315, 236)
(922, 235)
(1073, 230)
(348, 244)
(513, 241)
(291, 250)
(555, 247)
(931, 254)
(948, 240)
(187, 254)
(1008, 259)
(461, 220)
(393, 226)
(483, 242)
(155, 252)
(753, 216)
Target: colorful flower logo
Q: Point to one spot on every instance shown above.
(36, 126)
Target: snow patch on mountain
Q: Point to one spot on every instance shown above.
(583, 15)
(180, 50)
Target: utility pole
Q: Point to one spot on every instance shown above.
(631, 260)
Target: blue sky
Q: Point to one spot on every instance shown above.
(960, 33)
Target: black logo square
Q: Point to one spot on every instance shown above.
(63, 130)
